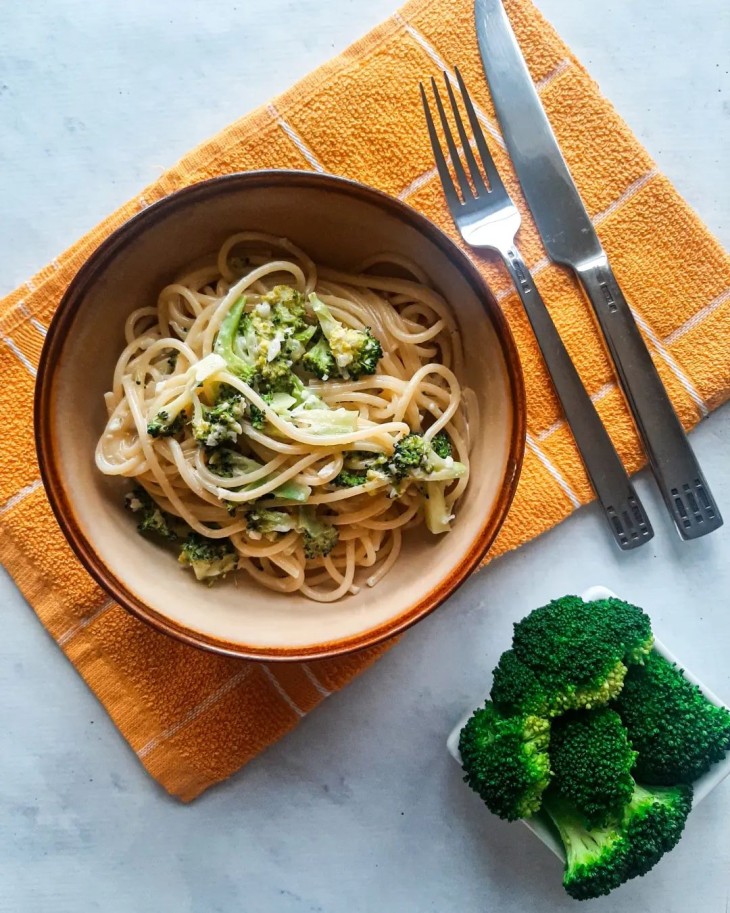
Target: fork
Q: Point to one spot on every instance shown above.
(487, 218)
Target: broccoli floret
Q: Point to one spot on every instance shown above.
(600, 859)
(516, 689)
(626, 624)
(359, 467)
(591, 758)
(653, 823)
(320, 361)
(221, 423)
(349, 478)
(415, 458)
(208, 558)
(571, 655)
(596, 860)
(151, 519)
(505, 760)
(318, 536)
(257, 416)
(355, 352)
(678, 733)
(165, 425)
(266, 522)
(565, 645)
(261, 346)
(441, 445)
(409, 454)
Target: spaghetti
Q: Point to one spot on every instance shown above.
(289, 420)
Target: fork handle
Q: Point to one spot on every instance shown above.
(624, 511)
(677, 472)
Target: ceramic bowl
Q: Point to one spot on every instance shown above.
(338, 223)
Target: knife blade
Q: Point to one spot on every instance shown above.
(571, 240)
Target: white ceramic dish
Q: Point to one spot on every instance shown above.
(702, 787)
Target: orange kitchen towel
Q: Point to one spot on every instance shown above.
(193, 718)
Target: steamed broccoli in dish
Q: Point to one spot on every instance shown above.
(359, 467)
(602, 858)
(320, 361)
(505, 760)
(261, 346)
(208, 558)
(517, 689)
(150, 518)
(166, 425)
(318, 536)
(592, 758)
(416, 459)
(596, 859)
(350, 478)
(353, 352)
(221, 423)
(653, 823)
(268, 522)
(678, 733)
(582, 649)
(624, 735)
(613, 829)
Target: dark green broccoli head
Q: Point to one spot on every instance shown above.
(653, 822)
(516, 689)
(678, 733)
(592, 758)
(505, 760)
(287, 306)
(561, 644)
(166, 425)
(150, 518)
(257, 416)
(415, 458)
(442, 445)
(208, 558)
(320, 361)
(409, 454)
(596, 860)
(626, 624)
(277, 377)
(349, 478)
(355, 352)
(318, 536)
(366, 356)
(221, 423)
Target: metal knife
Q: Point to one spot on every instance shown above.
(571, 240)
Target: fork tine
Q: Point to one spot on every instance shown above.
(495, 181)
(452, 198)
(476, 174)
(466, 191)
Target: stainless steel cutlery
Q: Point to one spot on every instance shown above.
(486, 217)
(571, 240)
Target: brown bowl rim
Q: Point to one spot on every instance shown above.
(56, 492)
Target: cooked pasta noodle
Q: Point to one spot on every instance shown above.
(260, 456)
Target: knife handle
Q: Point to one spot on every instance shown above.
(624, 511)
(681, 482)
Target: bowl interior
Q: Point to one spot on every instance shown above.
(338, 224)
